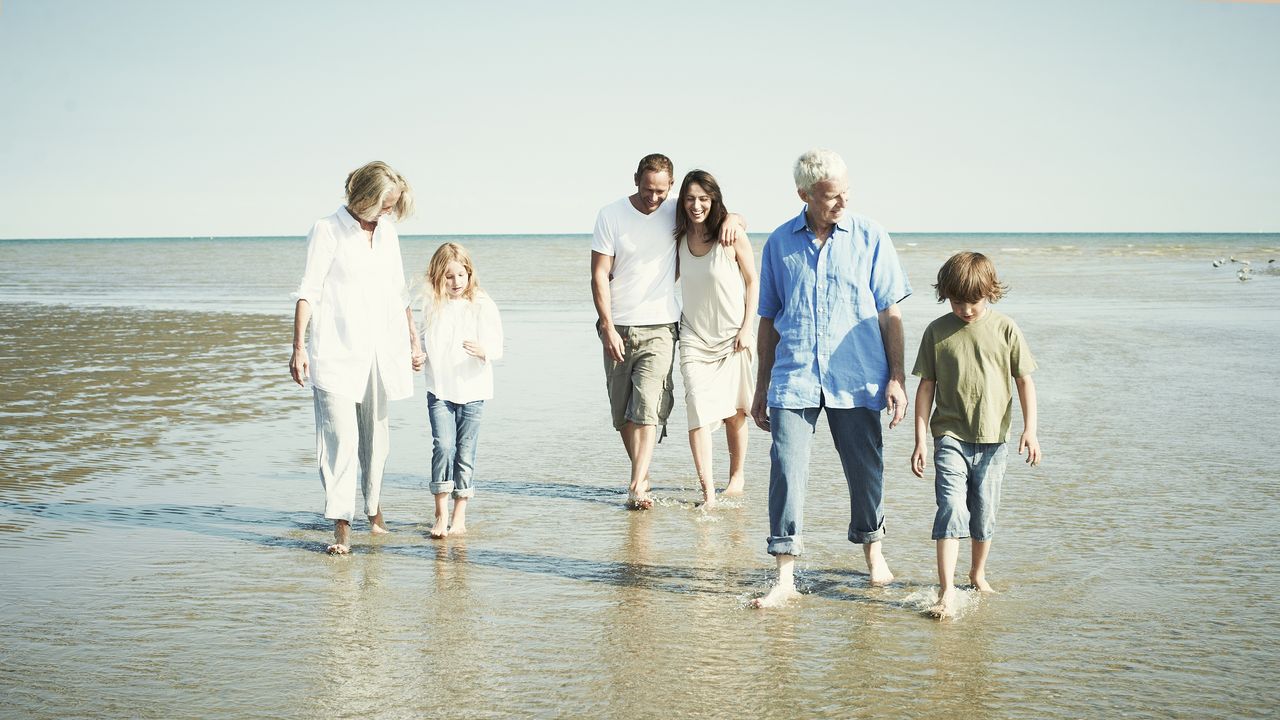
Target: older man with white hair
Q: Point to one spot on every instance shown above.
(830, 338)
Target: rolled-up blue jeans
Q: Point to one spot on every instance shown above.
(455, 428)
(966, 484)
(857, 436)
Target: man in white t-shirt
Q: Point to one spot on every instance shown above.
(633, 284)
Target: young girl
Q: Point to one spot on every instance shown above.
(461, 336)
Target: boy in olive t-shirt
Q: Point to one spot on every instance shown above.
(965, 361)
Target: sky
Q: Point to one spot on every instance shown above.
(243, 118)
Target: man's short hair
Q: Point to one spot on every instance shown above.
(655, 163)
(817, 165)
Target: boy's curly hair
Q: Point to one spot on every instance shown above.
(969, 277)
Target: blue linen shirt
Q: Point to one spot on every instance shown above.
(825, 302)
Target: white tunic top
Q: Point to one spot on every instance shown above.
(451, 373)
(358, 298)
(643, 288)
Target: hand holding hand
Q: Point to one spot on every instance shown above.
(419, 359)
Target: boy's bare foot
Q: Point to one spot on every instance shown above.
(876, 565)
(777, 596)
(440, 529)
(376, 525)
(341, 538)
(737, 485)
(945, 607)
(980, 582)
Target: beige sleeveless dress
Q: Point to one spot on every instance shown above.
(718, 382)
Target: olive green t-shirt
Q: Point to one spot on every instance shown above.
(972, 365)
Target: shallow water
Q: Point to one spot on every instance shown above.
(162, 536)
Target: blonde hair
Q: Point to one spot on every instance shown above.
(368, 188)
(434, 277)
(969, 277)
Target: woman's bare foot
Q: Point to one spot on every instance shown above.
(440, 529)
(737, 485)
(639, 500)
(980, 582)
(458, 524)
(946, 605)
(376, 524)
(341, 538)
(708, 495)
(876, 565)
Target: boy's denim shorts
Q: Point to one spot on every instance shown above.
(967, 478)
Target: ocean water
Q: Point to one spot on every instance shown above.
(161, 534)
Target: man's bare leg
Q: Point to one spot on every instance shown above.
(440, 528)
(948, 548)
(700, 445)
(458, 525)
(341, 538)
(876, 565)
(735, 429)
(978, 566)
(626, 444)
(784, 589)
(643, 438)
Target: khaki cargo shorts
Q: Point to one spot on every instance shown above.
(640, 387)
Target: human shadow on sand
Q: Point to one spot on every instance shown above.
(261, 526)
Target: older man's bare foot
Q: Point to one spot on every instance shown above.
(376, 524)
(876, 565)
(341, 538)
(440, 529)
(945, 607)
(980, 582)
(777, 596)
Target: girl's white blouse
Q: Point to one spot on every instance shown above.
(358, 298)
(451, 373)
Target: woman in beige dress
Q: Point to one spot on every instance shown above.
(719, 287)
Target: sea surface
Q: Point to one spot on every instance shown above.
(162, 540)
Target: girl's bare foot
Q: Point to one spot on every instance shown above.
(376, 525)
(440, 529)
(737, 485)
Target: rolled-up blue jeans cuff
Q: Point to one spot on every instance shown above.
(785, 545)
(865, 538)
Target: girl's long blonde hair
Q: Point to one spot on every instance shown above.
(434, 277)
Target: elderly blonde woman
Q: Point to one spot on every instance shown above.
(361, 346)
